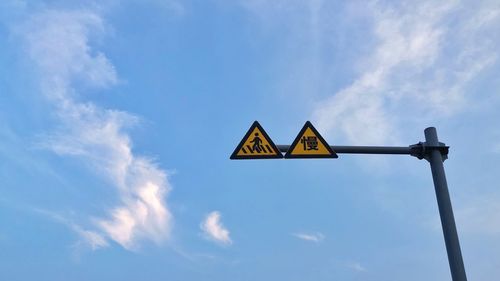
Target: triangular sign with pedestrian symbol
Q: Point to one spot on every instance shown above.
(256, 144)
(310, 144)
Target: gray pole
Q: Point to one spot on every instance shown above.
(341, 149)
(435, 152)
(435, 159)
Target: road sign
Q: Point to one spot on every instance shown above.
(256, 144)
(310, 144)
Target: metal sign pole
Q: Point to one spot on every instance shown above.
(435, 152)
(435, 158)
(252, 147)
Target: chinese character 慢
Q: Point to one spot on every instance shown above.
(310, 143)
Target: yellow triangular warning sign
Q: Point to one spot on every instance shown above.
(310, 144)
(256, 144)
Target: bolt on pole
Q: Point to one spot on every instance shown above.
(435, 158)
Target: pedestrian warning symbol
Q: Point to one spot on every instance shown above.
(256, 144)
(310, 144)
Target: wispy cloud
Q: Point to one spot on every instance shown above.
(372, 70)
(420, 66)
(87, 237)
(311, 237)
(356, 266)
(57, 41)
(214, 230)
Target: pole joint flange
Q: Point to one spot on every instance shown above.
(422, 150)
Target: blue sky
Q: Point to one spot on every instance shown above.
(117, 120)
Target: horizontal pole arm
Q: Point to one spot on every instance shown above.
(363, 149)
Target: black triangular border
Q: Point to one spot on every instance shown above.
(308, 124)
(278, 154)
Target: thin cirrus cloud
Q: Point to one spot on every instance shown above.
(57, 41)
(356, 266)
(412, 62)
(89, 238)
(310, 237)
(214, 230)
(420, 66)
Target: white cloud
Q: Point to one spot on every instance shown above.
(214, 230)
(94, 239)
(311, 237)
(412, 62)
(90, 238)
(356, 266)
(420, 67)
(58, 42)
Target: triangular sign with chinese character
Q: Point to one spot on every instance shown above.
(310, 144)
(256, 144)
